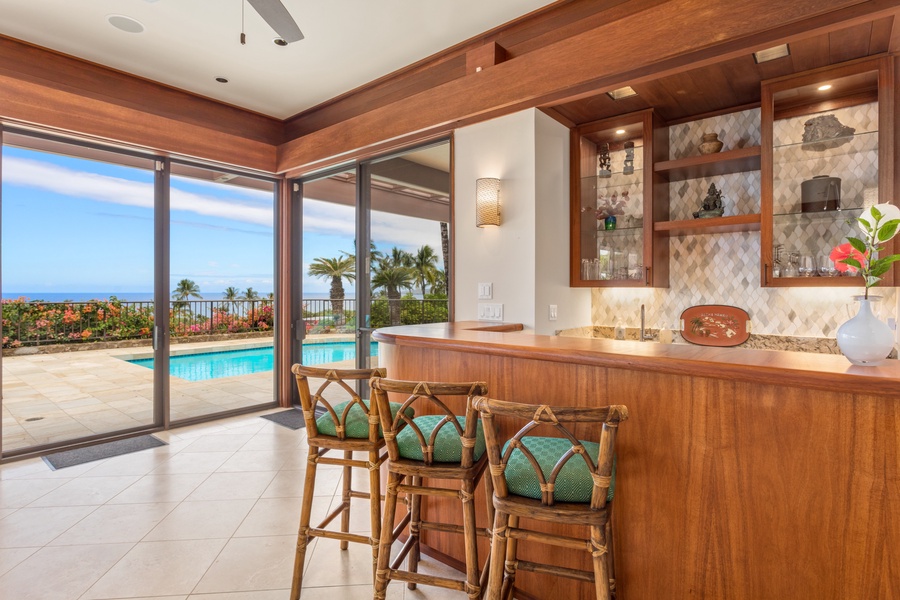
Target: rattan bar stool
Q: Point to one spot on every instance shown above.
(439, 446)
(535, 478)
(348, 426)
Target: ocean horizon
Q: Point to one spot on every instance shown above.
(123, 296)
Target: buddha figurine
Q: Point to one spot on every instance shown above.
(712, 204)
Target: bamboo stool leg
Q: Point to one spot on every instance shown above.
(610, 559)
(601, 567)
(414, 531)
(509, 568)
(498, 553)
(470, 534)
(374, 509)
(345, 497)
(309, 488)
(489, 495)
(382, 572)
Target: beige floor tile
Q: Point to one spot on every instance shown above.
(219, 442)
(254, 460)
(157, 569)
(193, 462)
(331, 566)
(232, 486)
(29, 527)
(5, 512)
(286, 484)
(10, 557)
(160, 488)
(202, 520)
(86, 491)
(279, 516)
(116, 523)
(62, 573)
(257, 563)
(266, 595)
(136, 463)
(16, 493)
(357, 592)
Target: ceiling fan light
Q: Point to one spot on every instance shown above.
(279, 42)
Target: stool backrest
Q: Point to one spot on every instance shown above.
(424, 393)
(540, 418)
(339, 378)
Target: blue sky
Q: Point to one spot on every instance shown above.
(74, 225)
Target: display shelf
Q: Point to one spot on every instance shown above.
(731, 224)
(738, 160)
(799, 153)
(849, 214)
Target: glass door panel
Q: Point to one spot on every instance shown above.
(77, 286)
(409, 195)
(221, 292)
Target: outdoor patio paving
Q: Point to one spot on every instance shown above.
(77, 394)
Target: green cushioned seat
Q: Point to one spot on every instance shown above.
(447, 445)
(357, 423)
(574, 482)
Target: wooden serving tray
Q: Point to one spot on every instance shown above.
(715, 325)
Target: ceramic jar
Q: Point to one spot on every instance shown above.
(710, 143)
(865, 340)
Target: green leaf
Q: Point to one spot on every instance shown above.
(876, 214)
(870, 281)
(852, 262)
(865, 224)
(888, 230)
(880, 268)
(858, 244)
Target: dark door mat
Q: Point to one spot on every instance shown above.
(70, 458)
(292, 418)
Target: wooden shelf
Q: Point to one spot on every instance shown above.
(704, 226)
(708, 165)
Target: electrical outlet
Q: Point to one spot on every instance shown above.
(485, 291)
(552, 312)
(490, 312)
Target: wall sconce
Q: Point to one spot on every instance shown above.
(487, 202)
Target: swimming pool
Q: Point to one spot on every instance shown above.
(231, 363)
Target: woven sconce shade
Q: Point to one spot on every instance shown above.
(487, 202)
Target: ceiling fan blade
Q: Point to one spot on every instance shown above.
(277, 16)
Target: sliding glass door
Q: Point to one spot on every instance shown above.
(77, 285)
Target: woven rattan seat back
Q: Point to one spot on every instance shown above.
(342, 394)
(540, 419)
(425, 398)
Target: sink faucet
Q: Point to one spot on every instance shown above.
(645, 336)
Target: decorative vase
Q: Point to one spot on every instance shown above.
(710, 143)
(864, 339)
(609, 223)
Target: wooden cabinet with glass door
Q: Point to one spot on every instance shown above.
(615, 199)
(828, 154)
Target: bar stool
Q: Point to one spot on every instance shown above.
(348, 425)
(441, 446)
(534, 478)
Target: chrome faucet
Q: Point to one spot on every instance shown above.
(645, 336)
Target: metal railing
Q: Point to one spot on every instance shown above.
(34, 323)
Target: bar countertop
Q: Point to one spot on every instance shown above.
(800, 369)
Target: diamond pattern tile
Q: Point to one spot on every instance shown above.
(736, 130)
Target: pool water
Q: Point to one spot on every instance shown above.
(231, 363)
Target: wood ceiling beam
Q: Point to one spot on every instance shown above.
(670, 37)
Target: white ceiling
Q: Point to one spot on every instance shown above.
(188, 43)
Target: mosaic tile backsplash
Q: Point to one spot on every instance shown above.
(724, 268)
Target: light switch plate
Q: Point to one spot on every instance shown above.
(490, 312)
(553, 312)
(485, 291)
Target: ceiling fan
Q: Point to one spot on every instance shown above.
(277, 16)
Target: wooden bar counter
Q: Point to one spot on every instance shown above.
(742, 474)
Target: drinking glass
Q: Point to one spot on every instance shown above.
(806, 266)
(826, 266)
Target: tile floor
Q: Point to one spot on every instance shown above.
(211, 516)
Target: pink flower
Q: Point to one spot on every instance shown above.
(843, 252)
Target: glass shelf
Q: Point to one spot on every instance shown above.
(799, 153)
(620, 231)
(845, 214)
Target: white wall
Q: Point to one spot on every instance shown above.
(526, 258)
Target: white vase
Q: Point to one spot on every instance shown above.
(864, 339)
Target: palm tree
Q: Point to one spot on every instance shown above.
(336, 269)
(392, 274)
(232, 294)
(424, 266)
(250, 294)
(184, 290)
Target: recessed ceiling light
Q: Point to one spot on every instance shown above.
(771, 53)
(279, 42)
(822, 88)
(222, 79)
(126, 24)
(622, 92)
(620, 131)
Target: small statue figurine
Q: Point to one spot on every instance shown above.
(603, 161)
(712, 204)
(628, 169)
